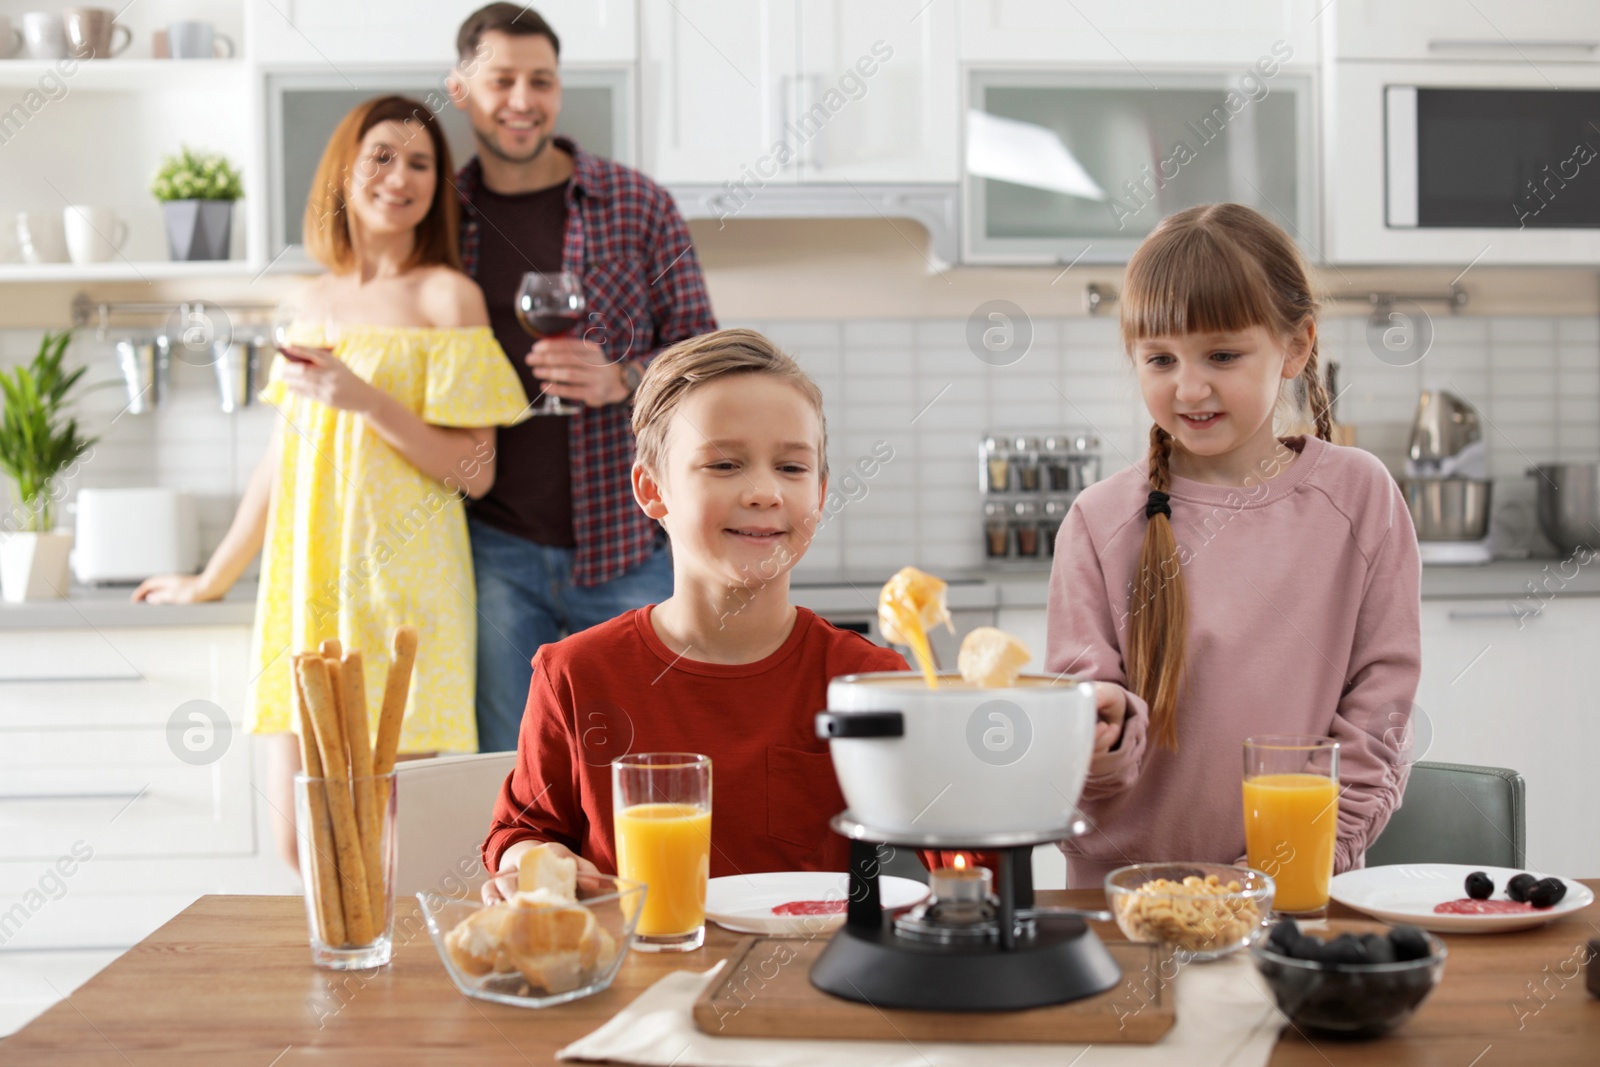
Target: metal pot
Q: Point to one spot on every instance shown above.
(1448, 509)
(1569, 504)
(959, 760)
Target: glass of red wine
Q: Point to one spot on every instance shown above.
(551, 305)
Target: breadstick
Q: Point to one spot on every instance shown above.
(336, 684)
(331, 649)
(324, 874)
(313, 671)
(369, 817)
(396, 687)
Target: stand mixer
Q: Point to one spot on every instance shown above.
(1446, 484)
(958, 767)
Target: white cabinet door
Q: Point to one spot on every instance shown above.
(1125, 35)
(1516, 31)
(879, 91)
(407, 31)
(718, 90)
(1518, 693)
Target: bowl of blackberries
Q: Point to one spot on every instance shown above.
(1362, 981)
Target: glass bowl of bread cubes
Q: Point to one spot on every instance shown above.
(557, 936)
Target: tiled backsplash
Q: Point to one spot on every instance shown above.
(918, 386)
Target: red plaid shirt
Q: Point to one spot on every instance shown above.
(644, 290)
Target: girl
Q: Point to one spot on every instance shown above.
(1234, 583)
(389, 398)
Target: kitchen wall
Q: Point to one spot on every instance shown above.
(916, 384)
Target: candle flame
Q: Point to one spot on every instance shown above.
(961, 862)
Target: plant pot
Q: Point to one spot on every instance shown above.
(33, 566)
(198, 229)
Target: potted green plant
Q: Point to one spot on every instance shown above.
(38, 442)
(197, 192)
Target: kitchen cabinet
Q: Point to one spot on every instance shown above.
(375, 31)
(1124, 35)
(105, 832)
(785, 92)
(1508, 684)
(1516, 31)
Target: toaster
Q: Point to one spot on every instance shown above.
(127, 535)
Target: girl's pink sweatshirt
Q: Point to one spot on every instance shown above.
(1303, 591)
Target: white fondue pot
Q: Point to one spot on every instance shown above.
(959, 759)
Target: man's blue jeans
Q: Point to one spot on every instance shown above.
(526, 599)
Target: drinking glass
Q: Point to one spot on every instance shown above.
(290, 324)
(661, 812)
(551, 305)
(346, 832)
(1291, 817)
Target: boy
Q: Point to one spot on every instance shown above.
(732, 462)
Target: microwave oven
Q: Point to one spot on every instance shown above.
(1465, 163)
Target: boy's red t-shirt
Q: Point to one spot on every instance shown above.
(616, 689)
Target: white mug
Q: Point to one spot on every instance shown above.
(40, 238)
(10, 38)
(197, 40)
(94, 234)
(44, 34)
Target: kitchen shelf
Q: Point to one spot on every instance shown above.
(124, 271)
(122, 73)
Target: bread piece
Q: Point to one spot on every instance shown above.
(474, 944)
(991, 658)
(541, 868)
(556, 945)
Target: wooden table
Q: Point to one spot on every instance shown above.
(229, 981)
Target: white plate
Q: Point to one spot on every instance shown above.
(744, 902)
(1407, 893)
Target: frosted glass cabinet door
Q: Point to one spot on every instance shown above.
(1061, 165)
(718, 87)
(879, 86)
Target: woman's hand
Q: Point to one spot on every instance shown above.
(1111, 708)
(176, 589)
(317, 374)
(504, 883)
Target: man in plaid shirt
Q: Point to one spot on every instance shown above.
(559, 544)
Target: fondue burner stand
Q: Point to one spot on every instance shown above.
(965, 949)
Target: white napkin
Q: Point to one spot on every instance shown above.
(1226, 1018)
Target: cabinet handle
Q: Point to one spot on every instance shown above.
(815, 82)
(1446, 44)
(784, 95)
(1506, 613)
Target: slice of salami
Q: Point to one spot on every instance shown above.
(811, 907)
(1468, 906)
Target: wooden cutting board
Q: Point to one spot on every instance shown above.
(766, 991)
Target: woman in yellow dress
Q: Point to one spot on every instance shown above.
(388, 397)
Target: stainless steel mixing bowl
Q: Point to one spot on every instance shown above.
(1569, 504)
(1448, 509)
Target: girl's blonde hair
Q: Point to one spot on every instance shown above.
(1209, 269)
(693, 362)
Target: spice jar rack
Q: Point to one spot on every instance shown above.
(1028, 481)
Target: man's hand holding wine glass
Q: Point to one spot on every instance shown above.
(578, 370)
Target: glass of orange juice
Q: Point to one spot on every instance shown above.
(1291, 817)
(661, 814)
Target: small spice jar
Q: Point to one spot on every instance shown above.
(1025, 459)
(1055, 458)
(996, 530)
(997, 464)
(1025, 521)
(1055, 512)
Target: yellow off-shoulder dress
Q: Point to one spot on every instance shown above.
(360, 541)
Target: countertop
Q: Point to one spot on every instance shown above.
(831, 593)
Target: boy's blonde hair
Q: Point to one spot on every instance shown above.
(680, 369)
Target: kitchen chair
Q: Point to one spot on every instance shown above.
(1456, 813)
(445, 804)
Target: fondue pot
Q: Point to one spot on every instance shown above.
(959, 759)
